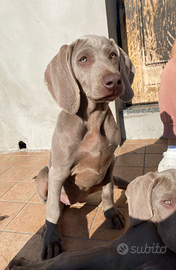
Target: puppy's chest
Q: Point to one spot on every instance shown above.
(94, 156)
(95, 146)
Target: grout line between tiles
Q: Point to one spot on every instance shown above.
(25, 204)
(9, 231)
(14, 217)
(74, 237)
(15, 167)
(84, 238)
(19, 181)
(1, 198)
(117, 166)
(118, 151)
(32, 168)
(35, 202)
(29, 202)
(8, 189)
(99, 206)
(6, 170)
(91, 226)
(18, 160)
(9, 167)
(35, 164)
(15, 183)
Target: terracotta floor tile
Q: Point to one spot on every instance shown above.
(3, 169)
(30, 219)
(2, 156)
(150, 169)
(79, 222)
(21, 192)
(19, 153)
(76, 221)
(156, 148)
(117, 151)
(155, 141)
(11, 210)
(14, 174)
(152, 160)
(32, 248)
(35, 246)
(120, 199)
(126, 160)
(35, 199)
(5, 186)
(36, 153)
(30, 175)
(128, 173)
(132, 148)
(29, 161)
(135, 141)
(100, 228)
(9, 160)
(42, 163)
(10, 245)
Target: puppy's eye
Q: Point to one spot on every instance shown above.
(83, 59)
(112, 55)
(167, 202)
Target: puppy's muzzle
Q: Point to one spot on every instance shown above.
(112, 81)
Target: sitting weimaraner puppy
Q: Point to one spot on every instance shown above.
(149, 243)
(83, 78)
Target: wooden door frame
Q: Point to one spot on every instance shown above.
(133, 19)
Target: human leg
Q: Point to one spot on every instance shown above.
(167, 106)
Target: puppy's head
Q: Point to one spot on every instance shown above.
(153, 197)
(94, 65)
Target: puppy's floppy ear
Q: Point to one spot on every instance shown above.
(60, 81)
(139, 193)
(127, 71)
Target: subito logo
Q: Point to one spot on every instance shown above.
(122, 249)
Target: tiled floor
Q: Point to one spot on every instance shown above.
(83, 226)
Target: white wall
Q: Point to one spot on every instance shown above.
(31, 33)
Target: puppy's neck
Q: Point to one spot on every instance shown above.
(88, 107)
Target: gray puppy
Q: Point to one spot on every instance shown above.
(83, 78)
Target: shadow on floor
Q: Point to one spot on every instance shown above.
(83, 226)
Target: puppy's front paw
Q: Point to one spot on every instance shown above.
(23, 264)
(52, 243)
(114, 218)
(19, 263)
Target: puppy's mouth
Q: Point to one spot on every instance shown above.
(110, 97)
(107, 97)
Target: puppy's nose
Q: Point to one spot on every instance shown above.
(112, 81)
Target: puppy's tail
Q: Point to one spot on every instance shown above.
(120, 182)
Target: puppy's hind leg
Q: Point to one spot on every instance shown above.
(41, 182)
